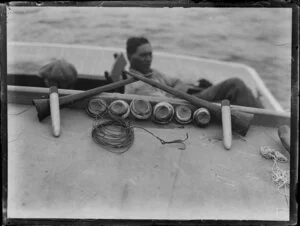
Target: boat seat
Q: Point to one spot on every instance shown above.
(116, 72)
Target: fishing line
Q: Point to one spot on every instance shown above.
(117, 134)
(279, 176)
(163, 141)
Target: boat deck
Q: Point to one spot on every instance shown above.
(73, 177)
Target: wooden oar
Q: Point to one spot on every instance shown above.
(240, 121)
(43, 105)
(259, 111)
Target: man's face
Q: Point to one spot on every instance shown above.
(142, 58)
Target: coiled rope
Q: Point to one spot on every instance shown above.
(117, 134)
(279, 176)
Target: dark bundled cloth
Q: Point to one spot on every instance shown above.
(202, 84)
(59, 73)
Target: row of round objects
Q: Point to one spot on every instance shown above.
(162, 112)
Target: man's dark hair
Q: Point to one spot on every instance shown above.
(133, 43)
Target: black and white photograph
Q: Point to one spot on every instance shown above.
(161, 113)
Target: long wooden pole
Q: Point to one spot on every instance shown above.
(43, 105)
(258, 111)
(240, 121)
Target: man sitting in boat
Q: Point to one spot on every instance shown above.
(139, 54)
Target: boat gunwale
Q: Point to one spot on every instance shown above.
(44, 92)
(262, 88)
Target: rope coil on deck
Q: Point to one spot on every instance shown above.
(279, 176)
(117, 134)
